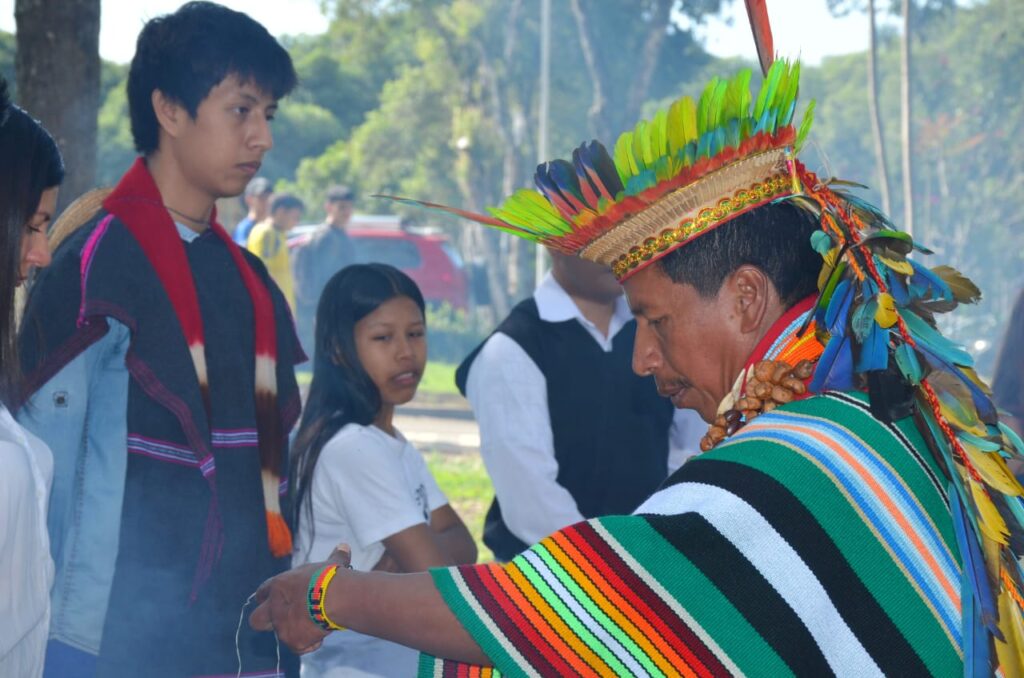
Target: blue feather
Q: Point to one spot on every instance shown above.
(839, 308)
(835, 367)
(899, 290)
(940, 345)
(973, 564)
(927, 284)
(874, 351)
(977, 653)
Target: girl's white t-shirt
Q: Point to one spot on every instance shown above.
(366, 487)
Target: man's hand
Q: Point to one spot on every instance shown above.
(282, 605)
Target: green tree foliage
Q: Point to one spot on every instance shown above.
(968, 118)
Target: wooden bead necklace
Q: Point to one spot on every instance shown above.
(772, 383)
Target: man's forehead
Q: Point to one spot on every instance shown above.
(647, 290)
(247, 87)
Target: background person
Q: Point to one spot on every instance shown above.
(360, 482)
(269, 241)
(159, 360)
(257, 204)
(328, 250)
(1008, 383)
(31, 171)
(567, 430)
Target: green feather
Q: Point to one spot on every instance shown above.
(659, 137)
(625, 163)
(805, 127)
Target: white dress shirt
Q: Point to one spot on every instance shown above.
(26, 568)
(509, 397)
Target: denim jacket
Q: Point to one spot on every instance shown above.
(81, 413)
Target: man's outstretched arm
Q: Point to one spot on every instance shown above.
(404, 608)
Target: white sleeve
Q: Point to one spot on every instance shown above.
(367, 481)
(509, 397)
(684, 437)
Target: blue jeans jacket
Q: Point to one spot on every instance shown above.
(81, 413)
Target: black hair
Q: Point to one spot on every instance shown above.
(285, 201)
(188, 53)
(341, 392)
(340, 193)
(775, 238)
(30, 163)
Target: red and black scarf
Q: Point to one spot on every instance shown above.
(137, 203)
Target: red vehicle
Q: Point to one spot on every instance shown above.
(426, 256)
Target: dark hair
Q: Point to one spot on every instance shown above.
(30, 163)
(285, 201)
(188, 53)
(341, 392)
(775, 238)
(340, 193)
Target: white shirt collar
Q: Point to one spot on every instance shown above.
(186, 233)
(555, 305)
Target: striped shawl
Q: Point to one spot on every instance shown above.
(816, 541)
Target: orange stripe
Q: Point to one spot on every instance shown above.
(547, 622)
(619, 609)
(881, 495)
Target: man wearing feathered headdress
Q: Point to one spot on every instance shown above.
(852, 512)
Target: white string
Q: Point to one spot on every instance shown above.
(238, 634)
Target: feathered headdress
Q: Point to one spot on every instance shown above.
(697, 165)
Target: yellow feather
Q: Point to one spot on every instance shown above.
(990, 522)
(993, 470)
(1011, 660)
(903, 267)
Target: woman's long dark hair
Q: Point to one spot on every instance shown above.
(341, 392)
(30, 163)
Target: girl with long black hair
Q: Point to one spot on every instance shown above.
(357, 480)
(31, 169)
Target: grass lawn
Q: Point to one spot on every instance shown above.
(463, 479)
(439, 378)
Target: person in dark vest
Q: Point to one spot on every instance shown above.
(567, 430)
(159, 359)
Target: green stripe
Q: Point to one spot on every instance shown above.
(595, 611)
(858, 544)
(444, 580)
(695, 593)
(545, 592)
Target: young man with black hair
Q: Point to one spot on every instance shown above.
(159, 358)
(269, 240)
(327, 251)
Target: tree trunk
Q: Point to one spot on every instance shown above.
(58, 71)
(906, 129)
(596, 114)
(652, 48)
(881, 165)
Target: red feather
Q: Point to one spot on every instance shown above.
(757, 11)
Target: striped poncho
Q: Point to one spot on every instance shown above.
(815, 541)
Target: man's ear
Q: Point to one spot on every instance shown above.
(751, 292)
(170, 115)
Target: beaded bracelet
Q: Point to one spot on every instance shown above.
(316, 596)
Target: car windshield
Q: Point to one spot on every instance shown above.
(401, 254)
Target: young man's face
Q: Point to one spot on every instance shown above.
(338, 212)
(285, 219)
(220, 150)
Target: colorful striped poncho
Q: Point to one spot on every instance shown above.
(816, 541)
